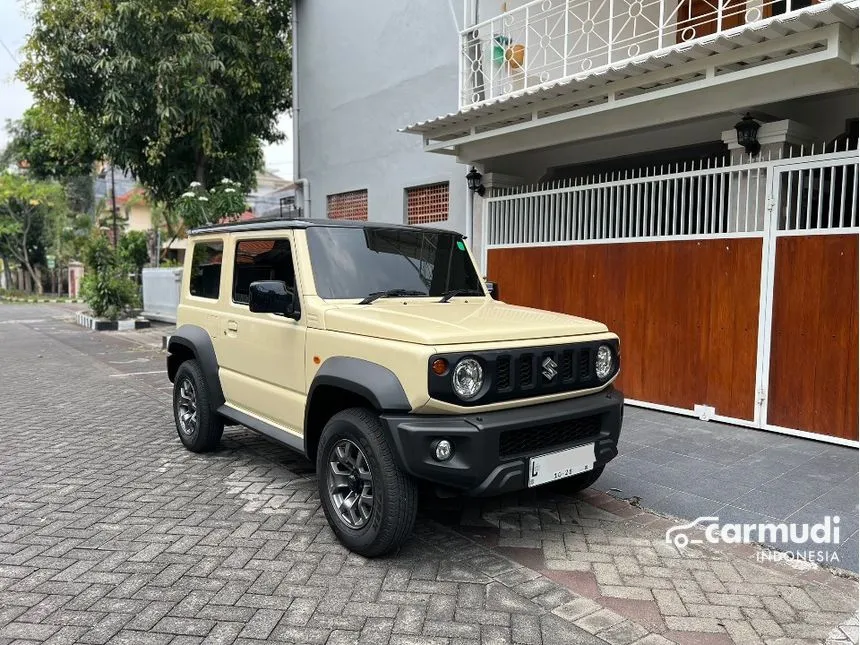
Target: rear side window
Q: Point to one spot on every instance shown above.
(206, 269)
(261, 260)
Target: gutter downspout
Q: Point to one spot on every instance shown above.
(470, 196)
(297, 178)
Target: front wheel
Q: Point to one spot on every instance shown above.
(198, 425)
(368, 501)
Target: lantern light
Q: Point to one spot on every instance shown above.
(747, 129)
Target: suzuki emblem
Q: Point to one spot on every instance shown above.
(549, 368)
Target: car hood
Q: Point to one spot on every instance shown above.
(455, 322)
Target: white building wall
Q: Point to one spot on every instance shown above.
(364, 70)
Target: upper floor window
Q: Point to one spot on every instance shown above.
(351, 205)
(427, 204)
(261, 260)
(205, 280)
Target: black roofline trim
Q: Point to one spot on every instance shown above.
(270, 224)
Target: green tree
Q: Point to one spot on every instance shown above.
(26, 206)
(54, 143)
(176, 90)
(199, 207)
(74, 236)
(133, 250)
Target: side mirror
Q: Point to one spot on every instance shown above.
(273, 297)
(493, 288)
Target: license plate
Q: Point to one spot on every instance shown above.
(561, 464)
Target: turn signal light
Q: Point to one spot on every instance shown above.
(439, 366)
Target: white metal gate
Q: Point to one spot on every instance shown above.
(811, 194)
(815, 195)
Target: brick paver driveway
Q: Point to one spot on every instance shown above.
(110, 532)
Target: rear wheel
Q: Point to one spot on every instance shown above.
(368, 501)
(198, 425)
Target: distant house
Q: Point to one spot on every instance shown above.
(272, 196)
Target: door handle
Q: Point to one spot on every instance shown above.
(232, 325)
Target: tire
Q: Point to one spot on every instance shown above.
(198, 425)
(354, 459)
(578, 483)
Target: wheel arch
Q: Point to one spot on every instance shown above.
(190, 342)
(344, 382)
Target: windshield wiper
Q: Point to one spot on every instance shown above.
(459, 292)
(391, 293)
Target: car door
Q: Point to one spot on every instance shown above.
(262, 355)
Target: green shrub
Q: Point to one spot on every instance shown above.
(106, 286)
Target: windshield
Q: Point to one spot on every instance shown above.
(355, 262)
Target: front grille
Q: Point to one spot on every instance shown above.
(526, 371)
(503, 372)
(518, 373)
(548, 437)
(584, 364)
(566, 368)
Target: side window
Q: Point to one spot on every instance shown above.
(206, 269)
(261, 260)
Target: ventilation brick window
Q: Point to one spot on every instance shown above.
(427, 204)
(352, 205)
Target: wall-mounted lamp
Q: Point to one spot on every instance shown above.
(474, 179)
(747, 129)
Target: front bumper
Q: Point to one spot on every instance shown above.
(479, 466)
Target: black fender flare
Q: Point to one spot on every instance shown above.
(372, 381)
(197, 340)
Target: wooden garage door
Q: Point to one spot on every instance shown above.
(814, 345)
(686, 311)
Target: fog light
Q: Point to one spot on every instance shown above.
(443, 451)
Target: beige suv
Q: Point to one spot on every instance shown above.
(378, 352)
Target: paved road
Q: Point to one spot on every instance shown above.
(110, 532)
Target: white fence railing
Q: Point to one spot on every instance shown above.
(705, 199)
(547, 40)
(818, 195)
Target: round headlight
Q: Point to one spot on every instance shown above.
(603, 364)
(467, 379)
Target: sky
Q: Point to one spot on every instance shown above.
(14, 97)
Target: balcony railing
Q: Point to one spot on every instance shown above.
(549, 40)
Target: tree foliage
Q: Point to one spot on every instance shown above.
(133, 249)
(26, 210)
(53, 144)
(199, 207)
(176, 90)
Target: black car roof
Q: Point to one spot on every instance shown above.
(277, 223)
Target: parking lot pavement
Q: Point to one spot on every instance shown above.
(685, 467)
(110, 532)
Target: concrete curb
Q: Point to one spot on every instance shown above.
(99, 324)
